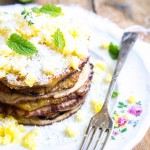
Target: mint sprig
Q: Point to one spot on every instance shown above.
(50, 9)
(28, 15)
(58, 39)
(21, 46)
(115, 94)
(113, 51)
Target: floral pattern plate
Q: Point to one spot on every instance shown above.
(131, 120)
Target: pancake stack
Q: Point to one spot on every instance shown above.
(47, 105)
(45, 72)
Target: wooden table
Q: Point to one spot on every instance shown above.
(122, 12)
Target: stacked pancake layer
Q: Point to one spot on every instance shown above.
(47, 105)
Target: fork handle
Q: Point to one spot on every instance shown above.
(127, 43)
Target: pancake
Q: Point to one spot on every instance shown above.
(51, 80)
(66, 83)
(65, 106)
(43, 111)
(9, 96)
(33, 105)
(42, 122)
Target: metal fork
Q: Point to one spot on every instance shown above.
(101, 124)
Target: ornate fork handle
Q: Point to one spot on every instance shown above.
(127, 43)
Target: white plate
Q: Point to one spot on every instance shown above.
(133, 80)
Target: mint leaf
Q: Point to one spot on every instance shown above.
(113, 51)
(21, 45)
(59, 40)
(28, 15)
(23, 12)
(115, 94)
(50, 9)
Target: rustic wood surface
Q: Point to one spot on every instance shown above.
(124, 13)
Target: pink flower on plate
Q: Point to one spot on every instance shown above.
(135, 110)
(115, 133)
(122, 121)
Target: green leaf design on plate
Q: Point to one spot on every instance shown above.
(123, 130)
(138, 103)
(112, 137)
(120, 106)
(121, 103)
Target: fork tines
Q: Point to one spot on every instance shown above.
(95, 138)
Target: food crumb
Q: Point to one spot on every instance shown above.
(96, 106)
(131, 100)
(80, 116)
(9, 128)
(13, 133)
(105, 45)
(100, 65)
(29, 140)
(71, 131)
(74, 62)
(108, 78)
